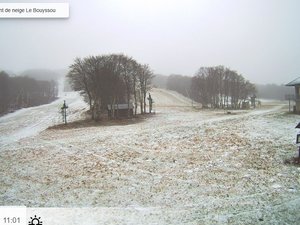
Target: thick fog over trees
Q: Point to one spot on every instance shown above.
(179, 83)
(273, 91)
(43, 74)
(110, 79)
(172, 36)
(160, 81)
(21, 92)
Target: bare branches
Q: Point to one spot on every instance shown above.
(220, 87)
(110, 79)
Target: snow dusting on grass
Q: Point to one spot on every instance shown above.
(180, 166)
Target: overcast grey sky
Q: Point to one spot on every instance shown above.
(258, 38)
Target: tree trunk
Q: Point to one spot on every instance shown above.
(128, 105)
(135, 99)
(141, 104)
(144, 97)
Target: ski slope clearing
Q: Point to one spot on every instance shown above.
(168, 98)
(179, 166)
(30, 121)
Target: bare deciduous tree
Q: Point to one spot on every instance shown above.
(110, 80)
(145, 76)
(217, 86)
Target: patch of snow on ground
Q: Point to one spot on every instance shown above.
(30, 121)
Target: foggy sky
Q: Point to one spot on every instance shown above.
(258, 38)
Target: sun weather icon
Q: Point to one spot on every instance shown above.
(35, 221)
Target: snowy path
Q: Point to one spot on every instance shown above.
(30, 121)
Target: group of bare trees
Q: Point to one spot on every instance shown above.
(21, 92)
(220, 87)
(109, 80)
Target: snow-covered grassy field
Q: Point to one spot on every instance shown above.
(179, 166)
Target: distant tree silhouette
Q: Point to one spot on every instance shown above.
(20, 92)
(273, 91)
(4, 92)
(179, 83)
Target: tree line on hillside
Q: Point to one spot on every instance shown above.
(220, 87)
(217, 87)
(182, 84)
(111, 80)
(21, 92)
